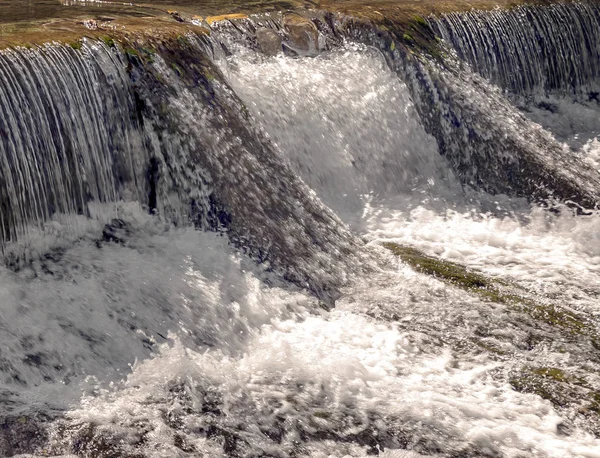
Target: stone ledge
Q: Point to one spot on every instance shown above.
(68, 24)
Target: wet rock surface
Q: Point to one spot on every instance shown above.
(23, 434)
(302, 33)
(264, 208)
(269, 42)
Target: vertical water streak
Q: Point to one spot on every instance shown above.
(530, 49)
(68, 134)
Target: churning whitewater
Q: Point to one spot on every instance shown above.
(133, 333)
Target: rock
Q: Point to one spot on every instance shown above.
(117, 231)
(302, 33)
(268, 41)
(22, 434)
(176, 15)
(91, 24)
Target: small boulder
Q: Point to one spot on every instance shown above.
(117, 231)
(302, 33)
(176, 15)
(268, 41)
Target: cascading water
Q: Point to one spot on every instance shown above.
(545, 58)
(143, 145)
(69, 135)
(529, 49)
(349, 168)
(486, 139)
(156, 339)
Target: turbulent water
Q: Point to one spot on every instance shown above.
(149, 337)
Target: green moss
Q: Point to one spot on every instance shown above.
(108, 41)
(322, 414)
(444, 270)
(419, 38)
(131, 52)
(177, 69)
(183, 40)
(559, 375)
(558, 387)
(551, 372)
(76, 44)
(530, 383)
(550, 383)
(492, 290)
(420, 20)
(555, 316)
(148, 54)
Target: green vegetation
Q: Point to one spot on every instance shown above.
(76, 44)
(131, 52)
(420, 21)
(493, 290)
(551, 372)
(408, 38)
(418, 37)
(558, 387)
(555, 391)
(177, 69)
(444, 270)
(108, 41)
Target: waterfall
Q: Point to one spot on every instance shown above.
(68, 134)
(209, 142)
(157, 125)
(487, 140)
(489, 143)
(530, 49)
(221, 176)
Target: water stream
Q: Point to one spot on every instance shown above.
(137, 321)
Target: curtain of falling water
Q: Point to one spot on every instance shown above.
(67, 134)
(529, 48)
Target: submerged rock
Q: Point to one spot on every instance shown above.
(21, 434)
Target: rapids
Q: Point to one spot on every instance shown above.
(139, 329)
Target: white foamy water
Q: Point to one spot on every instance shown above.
(347, 125)
(224, 365)
(304, 387)
(94, 308)
(576, 124)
